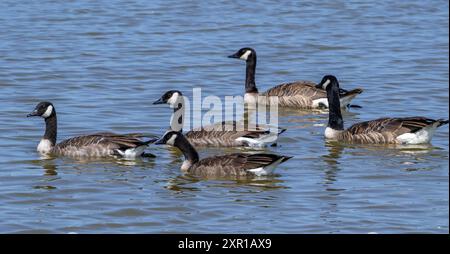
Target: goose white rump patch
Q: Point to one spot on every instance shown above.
(261, 141)
(267, 170)
(322, 101)
(420, 137)
(344, 101)
(132, 152)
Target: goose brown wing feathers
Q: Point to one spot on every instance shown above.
(224, 134)
(115, 141)
(303, 88)
(396, 126)
(236, 164)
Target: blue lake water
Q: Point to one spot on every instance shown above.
(103, 63)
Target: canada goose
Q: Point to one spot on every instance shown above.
(236, 164)
(299, 94)
(95, 145)
(405, 130)
(223, 134)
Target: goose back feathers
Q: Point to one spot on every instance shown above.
(230, 134)
(237, 164)
(305, 94)
(101, 145)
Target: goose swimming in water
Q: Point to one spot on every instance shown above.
(299, 94)
(95, 145)
(223, 134)
(236, 164)
(392, 130)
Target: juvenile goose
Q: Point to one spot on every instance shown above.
(236, 164)
(299, 94)
(95, 145)
(405, 130)
(223, 134)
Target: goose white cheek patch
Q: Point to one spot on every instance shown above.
(326, 84)
(173, 99)
(245, 55)
(171, 141)
(48, 112)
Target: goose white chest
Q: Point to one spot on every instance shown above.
(331, 133)
(45, 146)
(251, 98)
(186, 166)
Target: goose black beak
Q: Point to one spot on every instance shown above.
(160, 101)
(235, 55)
(159, 142)
(319, 86)
(34, 113)
(152, 141)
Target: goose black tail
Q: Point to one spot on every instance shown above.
(352, 92)
(285, 158)
(442, 122)
(281, 130)
(151, 141)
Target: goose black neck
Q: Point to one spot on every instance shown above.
(51, 128)
(335, 120)
(177, 117)
(187, 149)
(250, 85)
